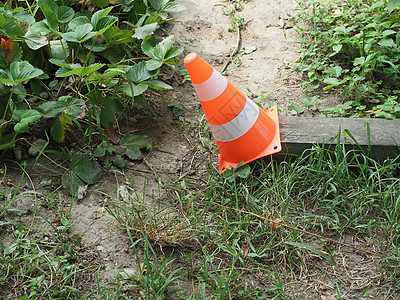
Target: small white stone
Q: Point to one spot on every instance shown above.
(82, 190)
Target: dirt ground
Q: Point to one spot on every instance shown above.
(267, 44)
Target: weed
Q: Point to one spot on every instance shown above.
(352, 47)
(142, 215)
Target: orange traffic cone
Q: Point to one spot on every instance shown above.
(241, 129)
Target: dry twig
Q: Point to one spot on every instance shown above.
(280, 223)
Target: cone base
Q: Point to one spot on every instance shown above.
(273, 147)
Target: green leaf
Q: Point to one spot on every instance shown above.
(153, 18)
(2, 20)
(49, 3)
(71, 181)
(177, 108)
(58, 49)
(103, 148)
(85, 169)
(78, 21)
(82, 71)
(137, 73)
(36, 37)
(24, 119)
(81, 34)
(243, 171)
(104, 23)
(119, 161)
(377, 4)
(392, 5)
(296, 108)
(145, 30)
(115, 36)
(50, 16)
(172, 61)
(388, 32)
(99, 15)
(109, 108)
(19, 71)
(387, 43)
(63, 63)
(156, 4)
(173, 52)
(359, 61)
(158, 85)
(172, 7)
(11, 29)
(160, 50)
(336, 48)
(23, 70)
(137, 89)
(336, 71)
(134, 143)
(72, 105)
(67, 104)
(24, 17)
(331, 81)
(82, 171)
(60, 127)
(96, 47)
(114, 54)
(153, 64)
(65, 14)
(148, 49)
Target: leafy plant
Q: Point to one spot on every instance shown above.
(310, 103)
(161, 53)
(177, 108)
(68, 49)
(130, 146)
(352, 48)
(82, 171)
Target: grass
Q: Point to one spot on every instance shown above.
(250, 233)
(350, 47)
(246, 225)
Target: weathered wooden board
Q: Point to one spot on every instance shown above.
(299, 133)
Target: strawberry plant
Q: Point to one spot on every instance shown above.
(66, 46)
(92, 65)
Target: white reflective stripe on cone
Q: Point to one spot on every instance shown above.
(238, 126)
(212, 87)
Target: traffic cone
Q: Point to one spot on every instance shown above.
(241, 129)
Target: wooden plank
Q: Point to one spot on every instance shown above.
(299, 133)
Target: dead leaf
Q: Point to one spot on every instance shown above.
(6, 45)
(275, 223)
(112, 135)
(245, 250)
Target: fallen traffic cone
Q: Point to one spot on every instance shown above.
(241, 129)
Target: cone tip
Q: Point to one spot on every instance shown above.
(190, 58)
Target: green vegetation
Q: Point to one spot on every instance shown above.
(352, 48)
(92, 63)
(259, 222)
(253, 232)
